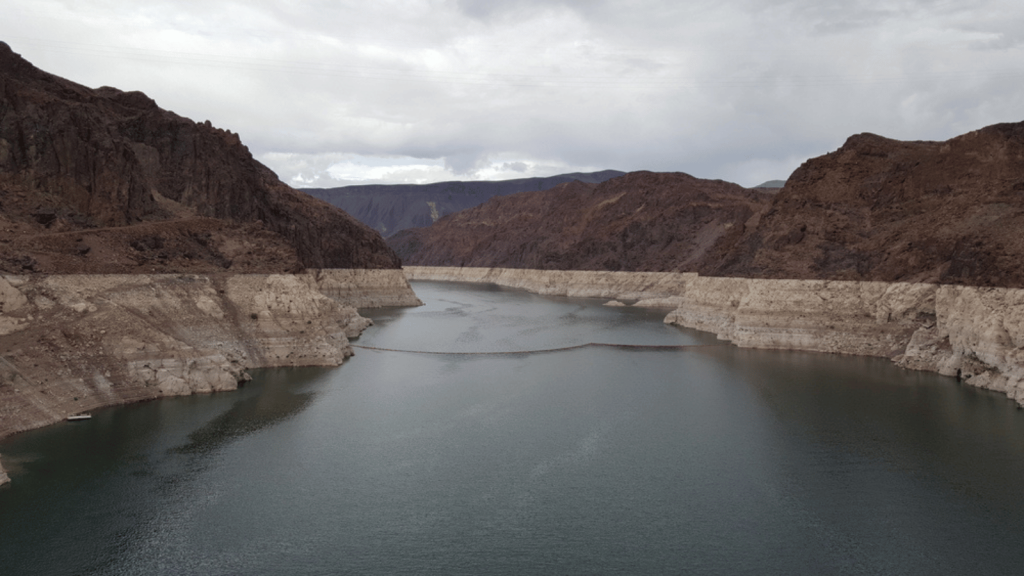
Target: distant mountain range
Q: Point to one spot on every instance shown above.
(644, 221)
(389, 208)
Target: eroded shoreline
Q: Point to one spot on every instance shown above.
(74, 343)
(975, 334)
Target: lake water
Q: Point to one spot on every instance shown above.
(594, 460)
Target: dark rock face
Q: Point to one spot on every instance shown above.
(881, 209)
(640, 221)
(389, 209)
(74, 158)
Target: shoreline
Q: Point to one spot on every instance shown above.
(70, 344)
(74, 343)
(971, 333)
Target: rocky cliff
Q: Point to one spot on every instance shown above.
(654, 288)
(366, 288)
(100, 180)
(143, 255)
(390, 208)
(881, 209)
(973, 333)
(73, 343)
(639, 221)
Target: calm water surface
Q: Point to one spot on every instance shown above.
(709, 460)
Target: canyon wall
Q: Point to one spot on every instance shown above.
(641, 221)
(362, 288)
(390, 208)
(973, 333)
(74, 343)
(651, 286)
(98, 180)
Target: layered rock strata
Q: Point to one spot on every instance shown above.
(654, 288)
(74, 343)
(362, 288)
(973, 333)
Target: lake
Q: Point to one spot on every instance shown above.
(500, 454)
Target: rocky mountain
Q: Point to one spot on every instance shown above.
(882, 209)
(100, 180)
(876, 209)
(639, 221)
(394, 207)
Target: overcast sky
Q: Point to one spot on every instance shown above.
(329, 93)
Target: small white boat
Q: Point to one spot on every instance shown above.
(79, 417)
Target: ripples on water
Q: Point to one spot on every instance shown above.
(587, 461)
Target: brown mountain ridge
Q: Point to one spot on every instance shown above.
(640, 221)
(104, 181)
(390, 208)
(875, 209)
(881, 209)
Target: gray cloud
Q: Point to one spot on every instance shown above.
(465, 163)
(488, 9)
(420, 90)
(515, 166)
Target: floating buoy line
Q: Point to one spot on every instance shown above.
(546, 350)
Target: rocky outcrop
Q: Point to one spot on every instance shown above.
(977, 336)
(882, 209)
(80, 168)
(863, 318)
(973, 333)
(74, 343)
(366, 288)
(642, 221)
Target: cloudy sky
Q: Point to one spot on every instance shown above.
(338, 92)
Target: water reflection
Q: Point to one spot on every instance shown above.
(281, 397)
(88, 492)
(927, 424)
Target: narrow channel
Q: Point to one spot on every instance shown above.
(682, 456)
